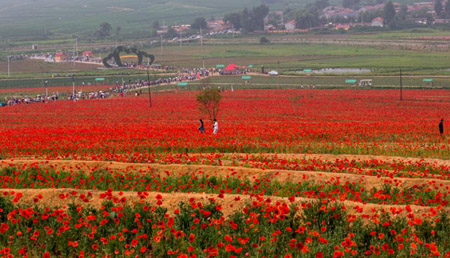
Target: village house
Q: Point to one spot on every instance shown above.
(290, 25)
(181, 27)
(442, 21)
(377, 22)
(217, 25)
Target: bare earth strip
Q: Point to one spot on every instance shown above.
(251, 174)
(230, 202)
(332, 157)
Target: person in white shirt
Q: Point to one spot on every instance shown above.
(216, 126)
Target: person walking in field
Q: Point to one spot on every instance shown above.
(441, 127)
(215, 126)
(202, 126)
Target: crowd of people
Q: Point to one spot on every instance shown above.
(11, 101)
(120, 89)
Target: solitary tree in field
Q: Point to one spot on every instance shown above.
(208, 102)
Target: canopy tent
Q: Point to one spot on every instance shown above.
(231, 67)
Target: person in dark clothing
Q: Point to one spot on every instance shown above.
(202, 126)
(441, 126)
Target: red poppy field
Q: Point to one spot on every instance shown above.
(291, 173)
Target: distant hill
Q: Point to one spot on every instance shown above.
(32, 18)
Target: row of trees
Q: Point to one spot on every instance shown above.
(442, 11)
(248, 20)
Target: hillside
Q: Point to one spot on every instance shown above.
(19, 18)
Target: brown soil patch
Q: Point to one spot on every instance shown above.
(252, 174)
(332, 157)
(230, 202)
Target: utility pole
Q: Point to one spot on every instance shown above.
(401, 86)
(76, 46)
(46, 88)
(162, 50)
(278, 76)
(73, 85)
(181, 41)
(9, 68)
(232, 28)
(149, 90)
(201, 37)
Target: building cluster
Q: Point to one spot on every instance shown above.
(354, 17)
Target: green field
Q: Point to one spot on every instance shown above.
(324, 81)
(295, 57)
(384, 64)
(30, 18)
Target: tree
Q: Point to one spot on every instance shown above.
(104, 30)
(429, 19)
(264, 40)
(438, 8)
(403, 12)
(447, 9)
(155, 25)
(321, 4)
(199, 23)
(350, 3)
(259, 14)
(208, 102)
(171, 33)
(234, 19)
(389, 15)
(306, 19)
(245, 19)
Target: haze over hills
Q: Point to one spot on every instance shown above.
(31, 18)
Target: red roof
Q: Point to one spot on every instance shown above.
(231, 67)
(60, 54)
(87, 53)
(380, 19)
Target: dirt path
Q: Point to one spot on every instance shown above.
(230, 202)
(333, 157)
(251, 174)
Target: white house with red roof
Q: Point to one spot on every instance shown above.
(290, 25)
(377, 22)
